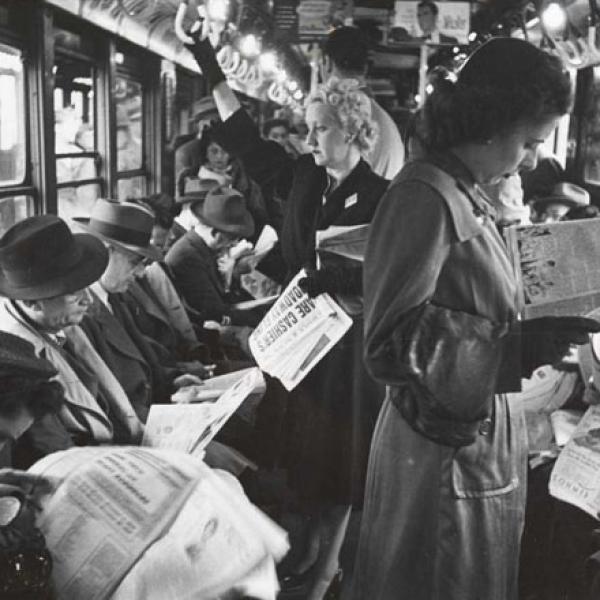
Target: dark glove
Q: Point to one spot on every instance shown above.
(545, 340)
(206, 58)
(316, 282)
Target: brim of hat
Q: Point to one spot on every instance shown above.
(27, 367)
(244, 229)
(150, 251)
(191, 198)
(559, 200)
(87, 270)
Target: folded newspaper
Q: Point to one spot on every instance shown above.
(575, 477)
(349, 242)
(557, 267)
(190, 427)
(145, 524)
(297, 333)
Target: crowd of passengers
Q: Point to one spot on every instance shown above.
(405, 423)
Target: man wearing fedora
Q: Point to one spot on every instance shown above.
(45, 271)
(192, 196)
(125, 230)
(222, 222)
(562, 197)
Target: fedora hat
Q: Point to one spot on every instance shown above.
(41, 258)
(17, 357)
(195, 190)
(565, 193)
(124, 224)
(225, 210)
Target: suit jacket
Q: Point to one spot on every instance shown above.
(120, 353)
(197, 278)
(304, 185)
(81, 417)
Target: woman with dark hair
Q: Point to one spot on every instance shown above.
(445, 492)
(333, 410)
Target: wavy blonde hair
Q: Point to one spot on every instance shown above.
(352, 107)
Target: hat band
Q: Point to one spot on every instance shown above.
(125, 235)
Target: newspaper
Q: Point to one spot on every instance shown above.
(140, 524)
(557, 267)
(190, 427)
(257, 284)
(349, 242)
(111, 506)
(297, 333)
(576, 474)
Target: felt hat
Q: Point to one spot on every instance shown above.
(195, 190)
(225, 210)
(17, 357)
(124, 224)
(565, 193)
(41, 258)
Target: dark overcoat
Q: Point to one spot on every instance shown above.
(333, 411)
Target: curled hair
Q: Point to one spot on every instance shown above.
(352, 107)
(504, 83)
(38, 396)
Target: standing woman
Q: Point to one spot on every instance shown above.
(445, 492)
(333, 411)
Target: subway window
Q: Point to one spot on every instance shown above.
(129, 103)
(77, 159)
(12, 117)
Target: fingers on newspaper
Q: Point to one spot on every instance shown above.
(297, 333)
(190, 427)
(145, 524)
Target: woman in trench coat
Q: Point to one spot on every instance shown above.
(445, 490)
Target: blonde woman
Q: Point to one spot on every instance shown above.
(331, 414)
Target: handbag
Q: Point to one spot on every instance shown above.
(450, 361)
(25, 562)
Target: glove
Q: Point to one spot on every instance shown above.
(316, 283)
(206, 58)
(545, 340)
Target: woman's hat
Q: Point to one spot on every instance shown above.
(17, 357)
(124, 224)
(565, 193)
(225, 210)
(41, 258)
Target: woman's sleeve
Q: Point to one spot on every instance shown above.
(266, 162)
(408, 244)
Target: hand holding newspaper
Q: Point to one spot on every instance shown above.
(145, 524)
(190, 427)
(297, 333)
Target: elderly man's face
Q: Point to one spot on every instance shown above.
(61, 311)
(123, 267)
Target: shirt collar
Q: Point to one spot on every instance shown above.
(101, 294)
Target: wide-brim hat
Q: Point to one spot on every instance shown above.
(569, 194)
(17, 357)
(123, 224)
(195, 190)
(225, 210)
(41, 258)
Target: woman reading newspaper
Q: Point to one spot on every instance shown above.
(334, 409)
(444, 503)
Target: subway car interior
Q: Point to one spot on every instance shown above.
(113, 110)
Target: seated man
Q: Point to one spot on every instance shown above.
(137, 362)
(222, 223)
(44, 274)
